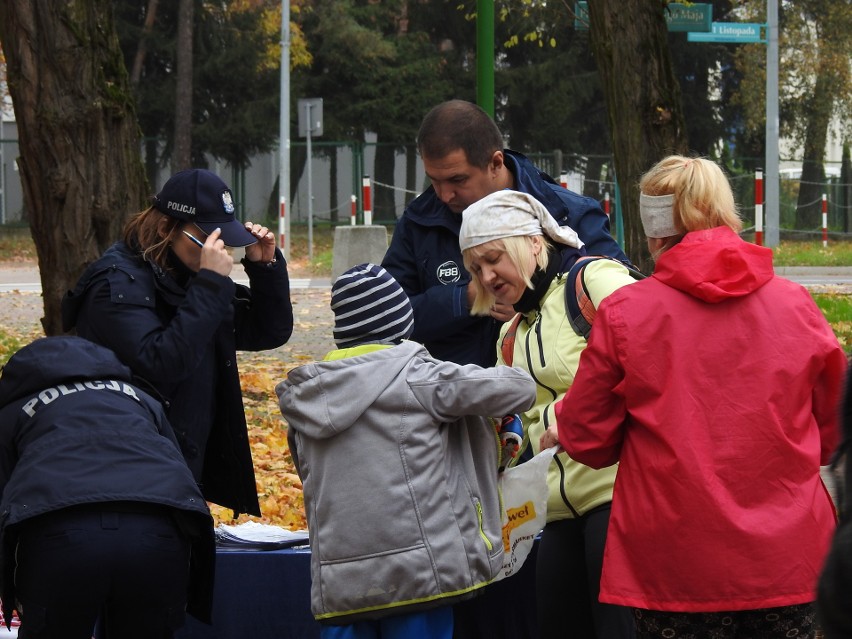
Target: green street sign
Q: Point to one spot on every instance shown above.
(730, 32)
(679, 17)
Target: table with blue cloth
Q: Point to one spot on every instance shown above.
(266, 594)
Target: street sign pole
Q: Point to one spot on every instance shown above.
(310, 185)
(284, 135)
(773, 176)
(310, 124)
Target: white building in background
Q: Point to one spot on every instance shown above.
(11, 197)
(833, 154)
(253, 189)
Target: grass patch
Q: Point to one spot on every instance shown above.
(789, 253)
(319, 263)
(838, 311)
(16, 245)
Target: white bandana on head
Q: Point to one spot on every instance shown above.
(657, 213)
(509, 213)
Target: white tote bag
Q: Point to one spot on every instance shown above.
(524, 492)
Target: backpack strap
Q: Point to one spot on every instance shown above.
(578, 302)
(507, 346)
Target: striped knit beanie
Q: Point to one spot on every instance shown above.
(369, 306)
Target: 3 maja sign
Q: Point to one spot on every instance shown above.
(730, 32)
(679, 17)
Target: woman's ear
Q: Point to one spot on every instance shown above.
(656, 246)
(537, 244)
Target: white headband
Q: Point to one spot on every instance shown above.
(509, 213)
(657, 212)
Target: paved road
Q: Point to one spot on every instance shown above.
(26, 278)
(811, 276)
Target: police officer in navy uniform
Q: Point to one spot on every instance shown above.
(100, 513)
(162, 299)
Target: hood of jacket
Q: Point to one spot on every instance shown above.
(53, 360)
(329, 403)
(715, 265)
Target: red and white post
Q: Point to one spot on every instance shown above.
(758, 208)
(824, 220)
(368, 211)
(606, 203)
(353, 216)
(282, 210)
(563, 180)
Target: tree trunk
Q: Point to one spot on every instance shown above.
(629, 40)
(80, 169)
(151, 161)
(182, 154)
(812, 183)
(846, 190)
(142, 49)
(384, 202)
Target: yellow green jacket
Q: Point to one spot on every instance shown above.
(548, 348)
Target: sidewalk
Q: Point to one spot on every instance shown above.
(21, 308)
(26, 277)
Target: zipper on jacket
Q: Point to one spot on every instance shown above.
(539, 341)
(535, 327)
(530, 368)
(561, 468)
(482, 534)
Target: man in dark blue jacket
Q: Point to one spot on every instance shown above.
(463, 155)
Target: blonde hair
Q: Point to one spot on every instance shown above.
(144, 233)
(702, 194)
(517, 249)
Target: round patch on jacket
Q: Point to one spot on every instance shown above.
(448, 272)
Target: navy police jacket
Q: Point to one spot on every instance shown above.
(76, 429)
(180, 331)
(424, 257)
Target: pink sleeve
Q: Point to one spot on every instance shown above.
(827, 395)
(590, 418)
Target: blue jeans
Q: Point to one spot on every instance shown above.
(431, 624)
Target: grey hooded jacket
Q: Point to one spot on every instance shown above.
(400, 476)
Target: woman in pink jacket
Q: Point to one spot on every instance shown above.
(716, 385)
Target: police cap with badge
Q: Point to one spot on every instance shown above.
(202, 198)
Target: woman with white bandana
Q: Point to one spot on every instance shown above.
(715, 386)
(519, 257)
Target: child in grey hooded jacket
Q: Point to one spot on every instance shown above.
(398, 459)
